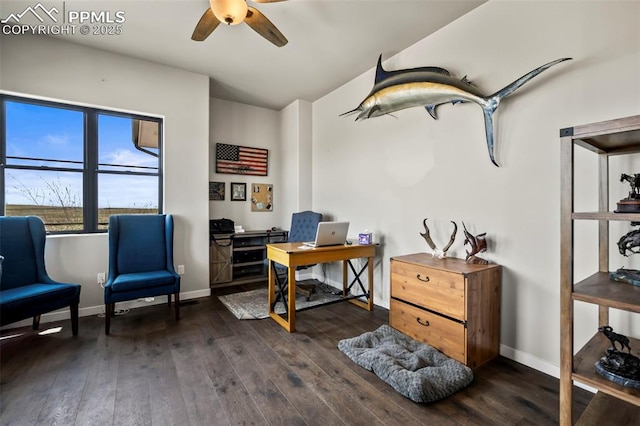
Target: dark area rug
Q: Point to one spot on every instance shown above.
(253, 304)
(414, 369)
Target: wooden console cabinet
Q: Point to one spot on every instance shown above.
(449, 304)
(239, 258)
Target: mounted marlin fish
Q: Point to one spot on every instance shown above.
(430, 87)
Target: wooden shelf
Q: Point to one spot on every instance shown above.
(620, 136)
(629, 217)
(255, 262)
(249, 248)
(585, 372)
(240, 281)
(607, 410)
(601, 290)
(250, 279)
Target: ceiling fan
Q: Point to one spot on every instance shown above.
(233, 12)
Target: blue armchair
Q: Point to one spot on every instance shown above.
(26, 290)
(303, 228)
(140, 261)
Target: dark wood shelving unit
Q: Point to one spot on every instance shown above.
(613, 402)
(239, 258)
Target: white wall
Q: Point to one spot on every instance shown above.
(287, 136)
(296, 148)
(387, 174)
(58, 70)
(239, 124)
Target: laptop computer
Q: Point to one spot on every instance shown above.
(329, 234)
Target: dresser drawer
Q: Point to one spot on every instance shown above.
(444, 334)
(433, 289)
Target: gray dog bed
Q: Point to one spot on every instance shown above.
(416, 370)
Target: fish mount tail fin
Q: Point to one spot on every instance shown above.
(488, 129)
(503, 93)
(494, 100)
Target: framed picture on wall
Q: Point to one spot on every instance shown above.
(261, 197)
(241, 160)
(238, 191)
(216, 191)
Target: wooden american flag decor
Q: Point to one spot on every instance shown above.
(241, 160)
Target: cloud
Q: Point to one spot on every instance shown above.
(62, 139)
(129, 158)
(14, 148)
(141, 191)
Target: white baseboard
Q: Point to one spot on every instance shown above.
(537, 364)
(530, 361)
(64, 314)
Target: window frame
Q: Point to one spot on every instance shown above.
(90, 170)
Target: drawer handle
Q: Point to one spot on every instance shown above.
(425, 279)
(423, 323)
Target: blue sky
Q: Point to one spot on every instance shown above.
(36, 131)
(57, 134)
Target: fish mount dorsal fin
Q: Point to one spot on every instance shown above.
(382, 74)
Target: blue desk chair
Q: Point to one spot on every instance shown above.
(303, 228)
(140, 261)
(26, 290)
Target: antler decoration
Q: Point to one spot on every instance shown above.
(441, 254)
(427, 235)
(478, 245)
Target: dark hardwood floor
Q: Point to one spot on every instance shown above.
(212, 369)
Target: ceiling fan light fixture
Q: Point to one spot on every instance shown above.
(231, 12)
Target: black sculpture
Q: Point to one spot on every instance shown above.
(634, 181)
(618, 366)
(631, 204)
(628, 244)
(478, 244)
(615, 337)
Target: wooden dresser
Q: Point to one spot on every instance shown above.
(449, 304)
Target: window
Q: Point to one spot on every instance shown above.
(74, 166)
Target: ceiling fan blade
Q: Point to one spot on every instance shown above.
(205, 26)
(264, 27)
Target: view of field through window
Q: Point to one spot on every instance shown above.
(55, 168)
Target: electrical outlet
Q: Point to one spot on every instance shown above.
(101, 277)
(180, 269)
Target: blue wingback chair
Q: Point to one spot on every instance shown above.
(140, 261)
(303, 228)
(26, 290)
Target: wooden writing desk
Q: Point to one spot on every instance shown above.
(291, 256)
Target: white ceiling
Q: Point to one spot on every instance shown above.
(330, 41)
